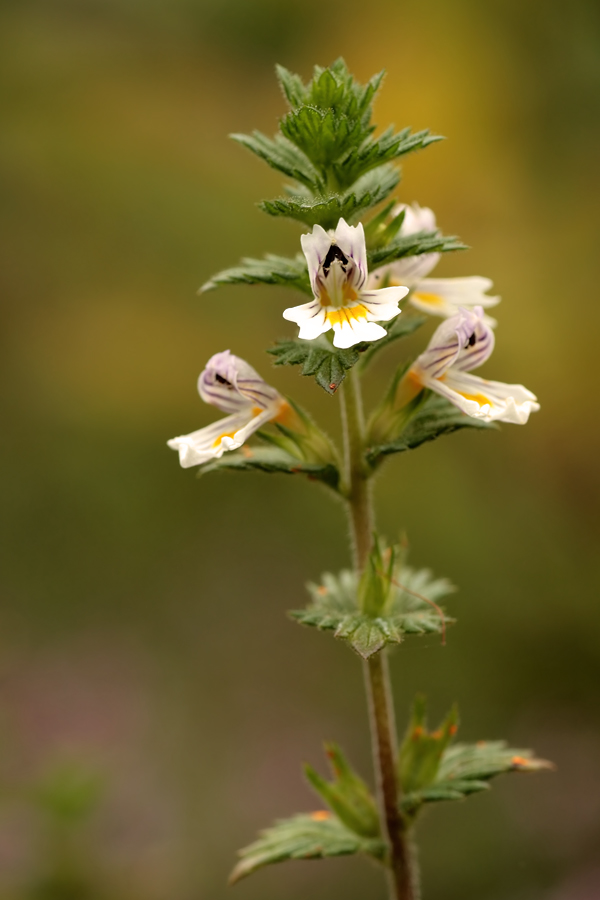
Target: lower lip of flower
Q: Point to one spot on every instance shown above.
(218, 440)
(346, 314)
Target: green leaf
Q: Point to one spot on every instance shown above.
(409, 609)
(315, 836)
(375, 152)
(322, 134)
(283, 156)
(413, 245)
(292, 86)
(485, 760)
(368, 191)
(335, 88)
(270, 270)
(421, 750)
(347, 794)
(435, 417)
(327, 363)
(272, 459)
(467, 768)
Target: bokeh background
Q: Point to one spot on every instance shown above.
(155, 701)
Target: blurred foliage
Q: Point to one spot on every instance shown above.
(125, 582)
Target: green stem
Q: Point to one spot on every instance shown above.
(402, 865)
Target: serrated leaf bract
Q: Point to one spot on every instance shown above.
(347, 794)
(270, 270)
(326, 146)
(433, 418)
(421, 750)
(412, 245)
(320, 358)
(315, 836)
(410, 609)
(432, 769)
(272, 459)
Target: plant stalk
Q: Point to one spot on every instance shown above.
(403, 880)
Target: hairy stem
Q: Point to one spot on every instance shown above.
(402, 866)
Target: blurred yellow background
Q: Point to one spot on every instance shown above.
(143, 628)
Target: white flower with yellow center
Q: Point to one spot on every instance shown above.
(460, 344)
(337, 265)
(233, 386)
(436, 296)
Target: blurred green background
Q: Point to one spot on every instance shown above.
(143, 637)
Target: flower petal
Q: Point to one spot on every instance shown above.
(444, 296)
(351, 326)
(241, 436)
(487, 400)
(351, 241)
(382, 305)
(464, 341)
(315, 246)
(409, 270)
(311, 318)
(416, 218)
(216, 384)
(480, 343)
(209, 442)
(231, 384)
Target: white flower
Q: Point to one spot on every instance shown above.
(436, 296)
(230, 384)
(460, 344)
(337, 265)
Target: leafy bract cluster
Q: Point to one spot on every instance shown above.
(390, 601)
(431, 768)
(337, 169)
(326, 146)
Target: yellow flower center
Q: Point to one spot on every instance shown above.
(346, 314)
(343, 294)
(218, 440)
(478, 398)
(428, 299)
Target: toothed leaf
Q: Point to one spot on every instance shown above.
(467, 768)
(368, 191)
(319, 358)
(270, 270)
(281, 155)
(271, 459)
(413, 245)
(435, 417)
(335, 607)
(315, 836)
(376, 152)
